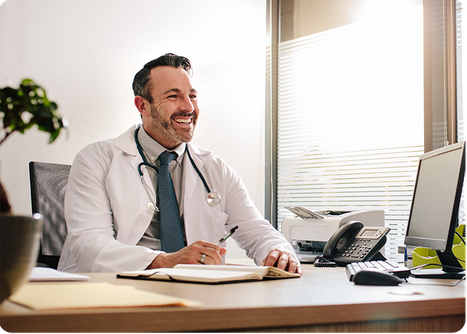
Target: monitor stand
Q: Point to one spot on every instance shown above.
(451, 268)
(437, 273)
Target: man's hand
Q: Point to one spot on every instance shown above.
(191, 254)
(282, 260)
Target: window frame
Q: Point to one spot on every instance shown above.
(447, 80)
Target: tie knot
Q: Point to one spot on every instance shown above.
(167, 157)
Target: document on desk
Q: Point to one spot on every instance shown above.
(85, 295)
(195, 273)
(45, 274)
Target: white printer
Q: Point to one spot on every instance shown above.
(309, 231)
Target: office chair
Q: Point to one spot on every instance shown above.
(48, 186)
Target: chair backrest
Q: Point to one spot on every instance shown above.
(48, 186)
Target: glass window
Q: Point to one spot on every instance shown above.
(350, 109)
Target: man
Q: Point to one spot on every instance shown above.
(111, 225)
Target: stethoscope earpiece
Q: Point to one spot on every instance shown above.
(153, 207)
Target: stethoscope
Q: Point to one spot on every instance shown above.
(212, 197)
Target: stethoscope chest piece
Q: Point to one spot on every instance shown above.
(213, 198)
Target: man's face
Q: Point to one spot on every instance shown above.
(174, 109)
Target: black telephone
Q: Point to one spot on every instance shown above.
(354, 242)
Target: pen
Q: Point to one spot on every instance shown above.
(227, 235)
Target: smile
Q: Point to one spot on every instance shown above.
(183, 120)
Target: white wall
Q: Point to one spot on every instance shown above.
(86, 52)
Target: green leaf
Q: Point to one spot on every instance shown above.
(31, 98)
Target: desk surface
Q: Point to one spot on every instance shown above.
(323, 299)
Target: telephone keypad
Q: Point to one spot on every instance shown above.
(349, 245)
(358, 249)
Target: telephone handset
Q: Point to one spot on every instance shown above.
(354, 242)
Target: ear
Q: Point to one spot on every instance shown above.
(143, 106)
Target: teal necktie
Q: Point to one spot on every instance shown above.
(171, 226)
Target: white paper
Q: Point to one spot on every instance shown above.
(45, 274)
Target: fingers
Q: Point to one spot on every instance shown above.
(282, 260)
(211, 251)
(214, 258)
(191, 254)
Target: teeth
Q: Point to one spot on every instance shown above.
(185, 121)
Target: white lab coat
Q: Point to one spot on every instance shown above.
(106, 209)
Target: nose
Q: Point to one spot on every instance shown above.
(187, 105)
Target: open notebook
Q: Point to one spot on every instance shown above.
(209, 273)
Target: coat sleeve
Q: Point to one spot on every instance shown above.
(91, 242)
(255, 234)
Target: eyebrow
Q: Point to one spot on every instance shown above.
(176, 90)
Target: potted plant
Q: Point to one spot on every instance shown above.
(20, 110)
(23, 108)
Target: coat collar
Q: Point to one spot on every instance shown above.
(126, 143)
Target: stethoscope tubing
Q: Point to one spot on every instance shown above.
(212, 198)
(197, 170)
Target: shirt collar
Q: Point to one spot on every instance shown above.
(152, 149)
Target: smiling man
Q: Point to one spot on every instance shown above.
(170, 111)
(130, 207)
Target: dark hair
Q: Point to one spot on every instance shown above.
(140, 82)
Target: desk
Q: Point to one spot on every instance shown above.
(322, 300)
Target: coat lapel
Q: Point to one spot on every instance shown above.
(132, 234)
(191, 177)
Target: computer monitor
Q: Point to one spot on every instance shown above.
(435, 208)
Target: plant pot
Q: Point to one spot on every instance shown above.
(19, 246)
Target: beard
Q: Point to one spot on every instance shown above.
(167, 129)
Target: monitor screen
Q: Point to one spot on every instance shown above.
(436, 198)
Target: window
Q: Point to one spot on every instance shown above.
(462, 70)
(348, 107)
(461, 89)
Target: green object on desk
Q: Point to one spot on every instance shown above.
(421, 255)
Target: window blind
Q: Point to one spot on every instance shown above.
(461, 91)
(461, 70)
(323, 80)
(350, 121)
(379, 179)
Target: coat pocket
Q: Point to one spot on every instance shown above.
(206, 226)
